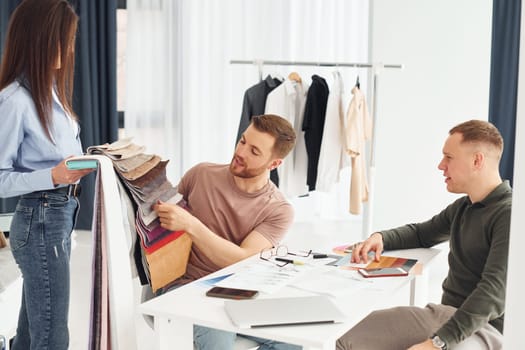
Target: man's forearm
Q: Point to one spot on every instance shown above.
(221, 251)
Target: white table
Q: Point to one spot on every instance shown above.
(177, 311)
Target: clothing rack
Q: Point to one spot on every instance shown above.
(376, 68)
(261, 63)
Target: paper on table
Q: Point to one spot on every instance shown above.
(334, 282)
(267, 278)
(328, 260)
(338, 282)
(213, 281)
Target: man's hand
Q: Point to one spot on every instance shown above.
(219, 250)
(360, 250)
(61, 175)
(174, 218)
(426, 345)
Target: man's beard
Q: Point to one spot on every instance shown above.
(246, 173)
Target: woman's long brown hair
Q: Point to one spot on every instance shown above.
(39, 51)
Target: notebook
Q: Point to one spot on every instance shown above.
(255, 313)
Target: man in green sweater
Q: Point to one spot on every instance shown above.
(477, 225)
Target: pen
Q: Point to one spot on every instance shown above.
(320, 256)
(290, 261)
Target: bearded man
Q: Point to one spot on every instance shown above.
(233, 211)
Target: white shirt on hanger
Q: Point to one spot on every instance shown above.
(288, 101)
(332, 157)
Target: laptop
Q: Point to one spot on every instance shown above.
(254, 313)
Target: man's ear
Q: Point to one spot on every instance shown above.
(479, 160)
(275, 163)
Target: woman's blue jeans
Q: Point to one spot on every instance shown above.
(40, 238)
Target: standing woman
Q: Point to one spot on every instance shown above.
(38, 131)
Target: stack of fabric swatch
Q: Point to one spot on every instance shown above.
(163, 254)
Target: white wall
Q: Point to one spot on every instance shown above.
(445, 47)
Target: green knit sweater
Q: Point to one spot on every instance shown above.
(478, 235)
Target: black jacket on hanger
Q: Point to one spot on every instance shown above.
(313, 125)
(254, 103)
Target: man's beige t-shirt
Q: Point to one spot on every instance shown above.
(213, 197)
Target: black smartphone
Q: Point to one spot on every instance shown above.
(383, 272)
(231, 293)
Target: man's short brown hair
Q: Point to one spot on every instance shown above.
(280, 129)
(480, 131)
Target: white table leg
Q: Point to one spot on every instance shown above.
(173, 333)
(419, 289)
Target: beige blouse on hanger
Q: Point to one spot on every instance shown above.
(358, 131)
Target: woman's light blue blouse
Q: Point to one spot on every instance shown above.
(27, 155)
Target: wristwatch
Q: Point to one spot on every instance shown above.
(438, 342)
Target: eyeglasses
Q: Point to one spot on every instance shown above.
(280, 251)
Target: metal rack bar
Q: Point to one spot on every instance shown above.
(320, 64)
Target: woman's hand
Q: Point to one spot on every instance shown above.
(61, 175)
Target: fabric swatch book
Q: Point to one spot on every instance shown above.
(392, 261)
(385, 261)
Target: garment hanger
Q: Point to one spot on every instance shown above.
(357, 85)
(294, 76)
(277, 76)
